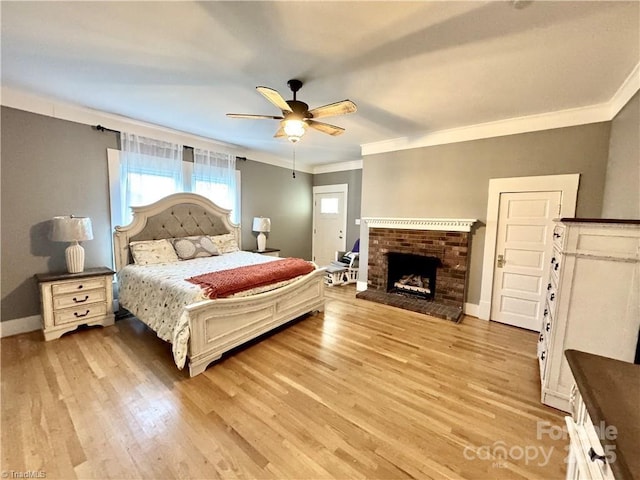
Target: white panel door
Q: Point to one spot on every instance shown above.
(523, 251)
(329, 222)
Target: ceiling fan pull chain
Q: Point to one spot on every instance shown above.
(294, 161)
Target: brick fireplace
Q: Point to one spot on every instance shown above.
(445, 239)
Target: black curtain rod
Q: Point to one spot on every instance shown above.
(101, 128)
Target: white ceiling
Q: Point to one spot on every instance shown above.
(411, 67)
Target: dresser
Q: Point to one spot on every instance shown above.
(69, 300)
(604, 426)
(592, 302)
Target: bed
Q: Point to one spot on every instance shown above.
(207, 328)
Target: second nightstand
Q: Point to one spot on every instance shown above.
(271, 252)
(69, 300)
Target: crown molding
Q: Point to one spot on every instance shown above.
(338, 167)
(602, 112)
(262, 157)
(627, 90)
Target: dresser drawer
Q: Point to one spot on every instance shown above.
(79, 314)
(542, 356)
(547, 321)
(78, 299)
(556, 264)
(552, 296)
(77, 286)
(558, 236)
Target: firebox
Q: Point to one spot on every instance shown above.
(412, 274)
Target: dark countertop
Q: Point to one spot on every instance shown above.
(88, 272)
(601, 220)
(610, 390)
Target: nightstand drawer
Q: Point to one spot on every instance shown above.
(78, 314)
(69, 300)
(79, 299)
(77, 285)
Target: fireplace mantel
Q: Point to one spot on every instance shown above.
(442, 224)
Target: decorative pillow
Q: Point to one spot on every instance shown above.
(152, 251)
(194, 247)
(226, 243)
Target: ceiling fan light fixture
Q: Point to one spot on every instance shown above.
(294, 129)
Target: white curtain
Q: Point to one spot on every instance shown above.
(149, 170)
(214, 177)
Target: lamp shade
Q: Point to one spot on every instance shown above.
(261, 224)
(71, 229)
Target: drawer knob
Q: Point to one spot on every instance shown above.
(594, 456)
(86, 297)
(553, 260)
(553, 295)
(80, 286)
(80, 315)
(556, 235)
(541, 338)
(548, 287)
(557, 265)
(548, 327)
(543, 355)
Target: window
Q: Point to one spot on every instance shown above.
(149, 187)
(147, 184)
(329, 205)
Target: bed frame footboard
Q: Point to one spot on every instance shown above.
(218, 326)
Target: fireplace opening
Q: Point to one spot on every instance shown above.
(411, 274)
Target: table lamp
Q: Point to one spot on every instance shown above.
(262, 224)
(72, 229)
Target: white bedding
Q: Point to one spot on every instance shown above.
(158, 294)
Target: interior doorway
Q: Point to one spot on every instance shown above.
(567, 185)
(523, 249)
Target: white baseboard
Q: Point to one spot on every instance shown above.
(472, 309)
(361, 286)
(20, 325)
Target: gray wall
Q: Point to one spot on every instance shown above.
(452, 181)
(622, 187)
(55, 167)
(270, 191)
(353, 178)
(49, 167)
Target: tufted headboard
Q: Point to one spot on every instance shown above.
(177, 215)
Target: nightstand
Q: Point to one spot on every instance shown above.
(271, 252)
(69, 300)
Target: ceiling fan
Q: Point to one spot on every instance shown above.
(296, 116)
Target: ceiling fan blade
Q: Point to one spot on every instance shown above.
(325, 127)
(275, 98)
(280, 133)
(338, 108)
(246, 115)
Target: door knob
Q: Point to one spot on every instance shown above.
(500, 261)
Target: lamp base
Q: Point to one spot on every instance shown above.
(262, 242)
(75, 258)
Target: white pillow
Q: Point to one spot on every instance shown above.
(194, 247)
(150, 252)
(226, 243)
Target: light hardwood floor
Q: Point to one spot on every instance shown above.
(361, 391)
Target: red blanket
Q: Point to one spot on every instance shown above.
(227, 282)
